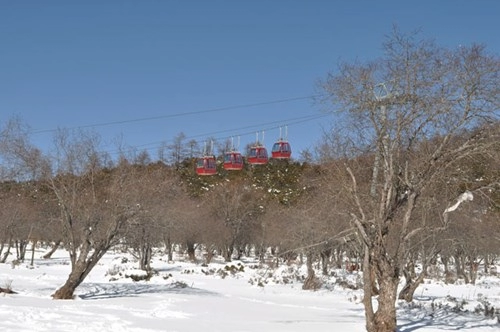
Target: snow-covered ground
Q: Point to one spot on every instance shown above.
(237, 296)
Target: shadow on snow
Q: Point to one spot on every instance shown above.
(98, 291)
(445, 318)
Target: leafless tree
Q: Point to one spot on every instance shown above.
(190, 220)
(21, 167)
(15, 218)
(20, 159)
(235, 207)
(94, 205)
(179, 150)
(158, 191)
(418, 111)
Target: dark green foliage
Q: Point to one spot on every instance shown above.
(279, 178)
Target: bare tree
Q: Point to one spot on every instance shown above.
(94, 205)
(22, 165)
(16, 219)
(192, 221)
(20, 160)
(179, 150)
(235, 206)
(434, 107)
(158, 191)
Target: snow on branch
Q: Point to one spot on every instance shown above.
(466, 196)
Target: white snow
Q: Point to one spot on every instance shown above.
(236, 296)
(464, 197)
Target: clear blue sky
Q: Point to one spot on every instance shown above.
(67, 64)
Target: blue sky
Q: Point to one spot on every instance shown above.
(141, 72)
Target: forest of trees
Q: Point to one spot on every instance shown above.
(408, 175)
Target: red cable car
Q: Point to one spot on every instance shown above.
(281, 150)
(257, 155)
(233, 161)
(207, 165)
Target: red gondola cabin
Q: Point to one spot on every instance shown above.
(257, 155)
(281, 150)
(206, 165)
(233, 161)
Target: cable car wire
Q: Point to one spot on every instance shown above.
(218, 109)
(266, 127)
(156, 145)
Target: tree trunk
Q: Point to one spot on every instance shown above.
(33, 253)
(486, 264)
(66, 291)
(228, 252)
(459, 265)
(170, 251)
(384, 319)
(445, 261)
(240, 253)
(473, 267)
(7, 253)
(76, 277)
(145, 257)
(337, 258)
(191, 251)
(385, 316)
(209, 255)
(79, 270)
(311, 282)
(261, 253)
(325, 257)
(368, 281)
(53, 250)
(410, 286)
(373, 285)
(21, 246)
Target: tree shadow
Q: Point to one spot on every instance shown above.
(445, 318)
(99, 291)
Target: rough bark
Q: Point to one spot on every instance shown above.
(53, 250)
(146, 253)
(32, 261)
(325, 258)
(387, 278)
(191, 251)
(311, 282)
(410, 286)
(385, 316)
(368, 281)
(7, 252)
(79, 271)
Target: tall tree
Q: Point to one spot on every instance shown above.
(417, 111)
(20, 159)
(157, 189)
(94, 204)
(179, 150)
(235, 206)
